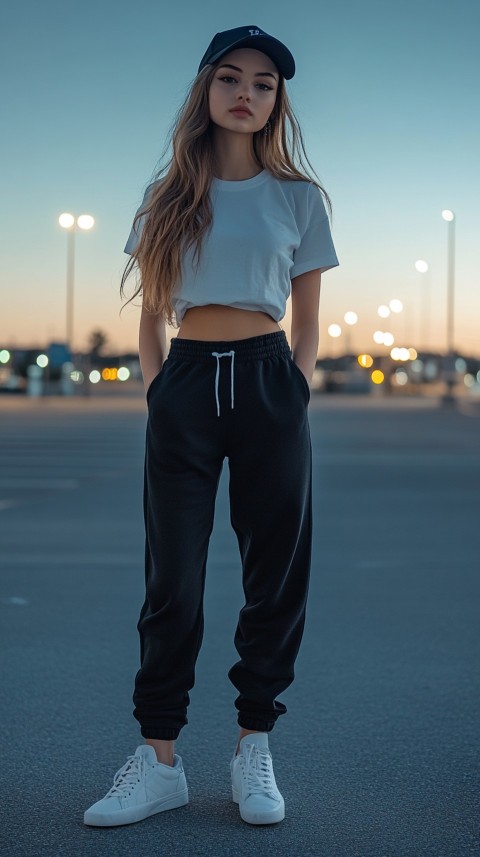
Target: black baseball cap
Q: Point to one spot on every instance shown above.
(250, 37)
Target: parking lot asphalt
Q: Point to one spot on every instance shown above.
(378, 755)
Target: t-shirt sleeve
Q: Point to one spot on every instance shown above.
(316, 249)
(133, 239)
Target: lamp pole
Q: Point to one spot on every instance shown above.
(422, 267)
(449, 216)
(350, 318)
(69, 222)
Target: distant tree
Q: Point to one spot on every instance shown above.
(96, 343)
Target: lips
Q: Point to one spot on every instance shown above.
(242, 110)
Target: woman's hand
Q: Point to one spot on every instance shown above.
(152, 346)
(305, 324)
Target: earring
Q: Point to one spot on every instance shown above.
(266, 129)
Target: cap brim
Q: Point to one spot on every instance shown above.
(277, 52)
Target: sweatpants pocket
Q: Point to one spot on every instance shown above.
(154, 383)
(300, 375)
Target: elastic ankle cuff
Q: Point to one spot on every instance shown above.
(160, 733)
(255, 725)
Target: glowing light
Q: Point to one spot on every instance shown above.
(76, 376)
(401, 377)
(383, 311)
(460, 365)
(94, 376)
(4, 356)
(412, 354)
(109, 374)
(448, 215)
(365, 360)
(350, 318)
(421, 266)
(42, 361)
(377, 376)
(378, 337)
(469, 380)
(396, 305)
(85, 221)
(123, 373)
(334, 331)
(66, 220)
(399, 354)
(388, 339)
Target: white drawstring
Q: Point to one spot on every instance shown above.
(218, 354)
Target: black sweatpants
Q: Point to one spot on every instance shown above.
(245, 400)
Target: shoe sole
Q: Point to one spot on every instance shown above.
(135, 813)
(257, 817)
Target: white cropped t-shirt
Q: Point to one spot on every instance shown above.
(265, 232)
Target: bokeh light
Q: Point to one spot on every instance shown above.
(396, 305)
(123, 373)
(399, 354)
(448, 215)
(401, 377)
(4, 356)
(42, 361)
(421, 266)
(94, 376)
(377, 376)
(66, 220)
(85, 221)
(350, 317)
(109, 374)
(383, 311)
(365, 360)
(334, 330)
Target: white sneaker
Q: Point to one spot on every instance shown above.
(253, 782)
(141, 788)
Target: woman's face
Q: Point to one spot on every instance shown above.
(252, 83)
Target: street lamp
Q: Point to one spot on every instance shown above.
(422, 267)
(449, 216)
(70, 223)
(350, 318)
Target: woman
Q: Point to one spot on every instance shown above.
(220, 241)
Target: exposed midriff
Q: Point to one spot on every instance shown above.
(216, 322)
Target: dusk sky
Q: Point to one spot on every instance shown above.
(387, 98)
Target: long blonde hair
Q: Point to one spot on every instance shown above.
(178, 211)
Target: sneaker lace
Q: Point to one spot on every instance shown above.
(129, 775)
(258, 770)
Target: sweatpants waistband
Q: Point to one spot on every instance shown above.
(253, 348)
